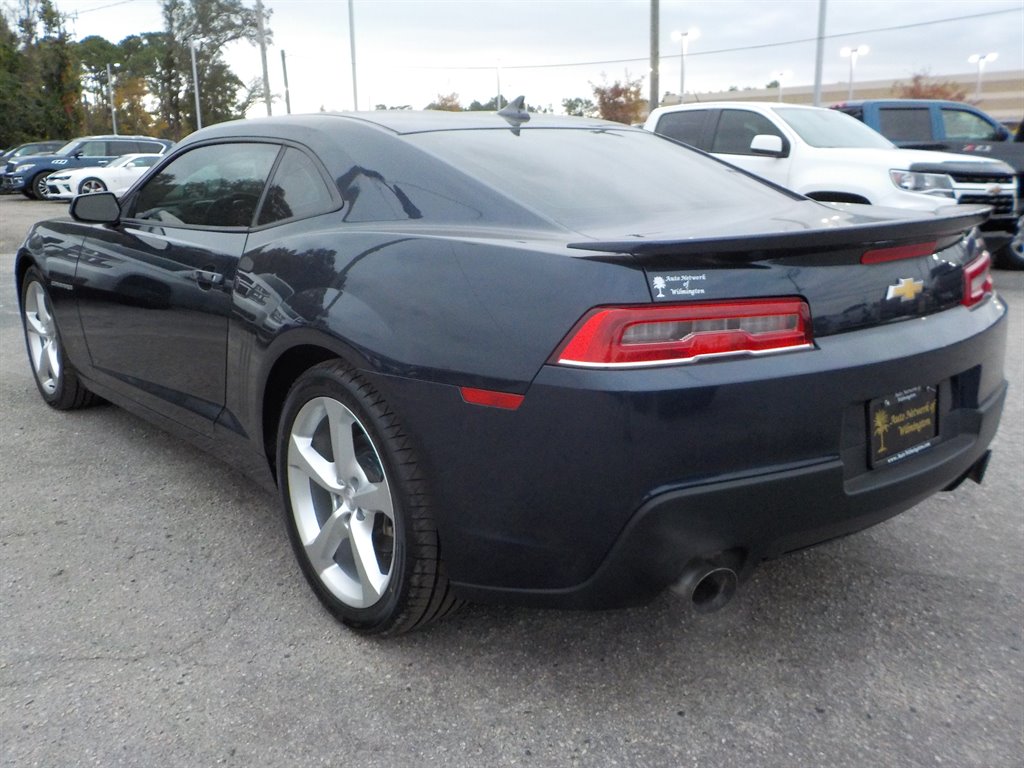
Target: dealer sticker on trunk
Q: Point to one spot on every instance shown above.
(902, 424)
(677, 286)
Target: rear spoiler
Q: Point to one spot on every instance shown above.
(753, 247)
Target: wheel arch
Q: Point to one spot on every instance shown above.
(292, 355)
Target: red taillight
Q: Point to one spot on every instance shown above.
(490, 397)
(977, 280)
(880, 255)
(660, 335)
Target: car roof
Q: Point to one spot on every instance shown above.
(395, 121)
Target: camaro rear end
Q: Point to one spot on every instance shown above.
(556, 362)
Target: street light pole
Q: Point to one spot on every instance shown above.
(980, 60)
(352, 47)
(195, 85)
(110, 97)
(853, 54)
(684, 38)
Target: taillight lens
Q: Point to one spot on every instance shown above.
(635, 336)
(977, 280)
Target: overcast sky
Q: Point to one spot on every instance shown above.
(409, 51)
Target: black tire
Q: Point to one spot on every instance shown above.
(1011, 255)
(56, 379)
(370, 529)
(38, 187)
(91, 185)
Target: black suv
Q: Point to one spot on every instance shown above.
(28, 174)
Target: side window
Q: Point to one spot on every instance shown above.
(905, 124)
(737, 128)
(118, 148)
(683, 126)
(92, 149)
(218, 185)
(149, 146)
(297, 190)
(967, 126)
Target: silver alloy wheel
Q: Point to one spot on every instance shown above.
(41, 332)
(41, 190)
(90, 185)
(341, 502)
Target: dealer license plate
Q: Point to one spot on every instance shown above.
(902, 424)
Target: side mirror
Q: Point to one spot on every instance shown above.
(766, 144)
(97, 208)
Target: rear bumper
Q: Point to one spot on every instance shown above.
(746, 520)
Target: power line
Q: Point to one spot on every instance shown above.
(641, 59)
(103, 7)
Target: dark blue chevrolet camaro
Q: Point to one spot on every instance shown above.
(559, 362)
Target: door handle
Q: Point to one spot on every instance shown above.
(207, 278)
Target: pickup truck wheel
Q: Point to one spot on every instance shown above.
(1011, 255)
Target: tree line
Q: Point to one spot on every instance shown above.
(54, 87)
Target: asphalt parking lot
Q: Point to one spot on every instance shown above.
(151, 614)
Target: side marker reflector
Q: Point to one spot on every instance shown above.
(506, 400)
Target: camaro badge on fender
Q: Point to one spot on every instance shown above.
(906, 289)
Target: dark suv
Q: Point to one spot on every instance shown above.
(28, 174)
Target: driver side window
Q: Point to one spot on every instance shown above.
(217, 185)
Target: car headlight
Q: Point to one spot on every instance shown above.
(937, 184)
(25, 167)
(56, 177)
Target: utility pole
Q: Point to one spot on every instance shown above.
(110, 97)
(263, 54)
(655, 86)
(352, 47)
(287, 96)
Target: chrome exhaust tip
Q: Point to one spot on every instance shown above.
(707, 586)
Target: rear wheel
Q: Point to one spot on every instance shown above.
(56, 378)
(356, 506)
(90, 185)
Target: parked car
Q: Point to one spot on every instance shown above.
(28, 174)
(116, 176)
(32, 148)
(560, 362)
(830, 156)
(948, 126)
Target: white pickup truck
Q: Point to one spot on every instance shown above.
(833, 157)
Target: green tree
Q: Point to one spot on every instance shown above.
(579, 107)
(12, 131)
(94, 53)
(487, 106)
(44, 90)
(622, 102)
(208, 26)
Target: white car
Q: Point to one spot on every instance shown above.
(832, 157)
(116, 176)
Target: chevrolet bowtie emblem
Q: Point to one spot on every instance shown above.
(906, 289)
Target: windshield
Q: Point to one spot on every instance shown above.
(581, 177)
(829, 128)
(119, 161)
